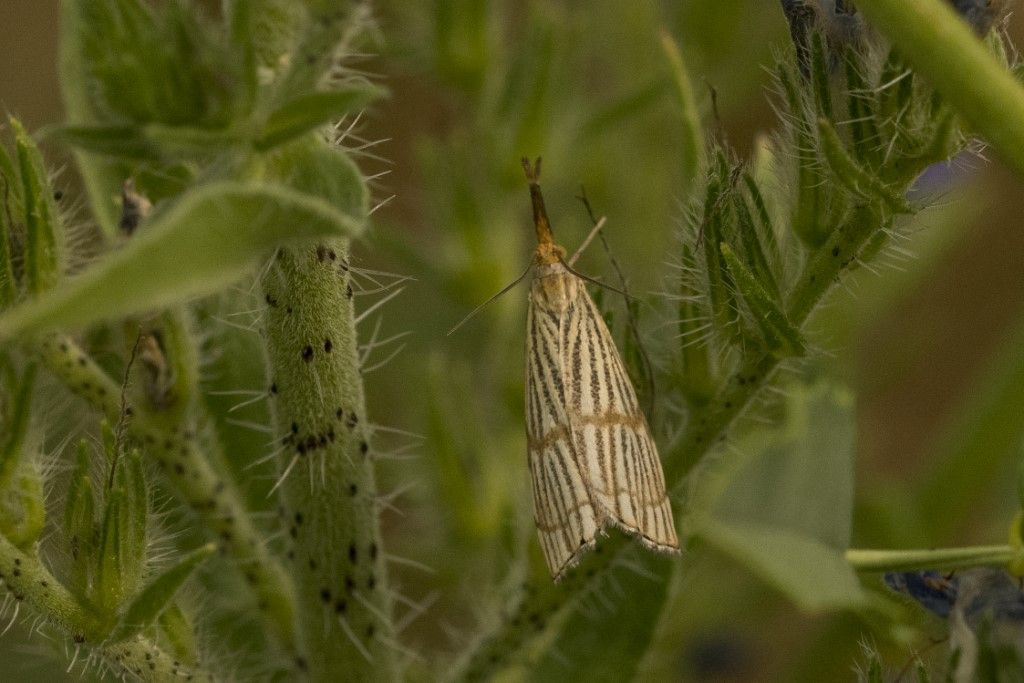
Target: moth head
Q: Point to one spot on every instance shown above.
(548, 253)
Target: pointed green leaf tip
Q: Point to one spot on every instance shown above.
(779, 334)
(309, 111)
(210, 238)
(16, 425)
(145, 607)
(108, 591)
(80, 523)
(43, 233)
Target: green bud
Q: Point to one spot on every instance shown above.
(179, 633)
(109, 439)
(852, 176)
(820, 76)
(43, 232)
(108, 591)
(10, 195)
(767, 232)
(809, 217)
(144, 608)
(80, 523)
(125, 142)
(15, 428)
(171, 362)
(778, 332)
(863, 130)
(894, 91)
(712, 228)
(22, 511)
(752, 248)
(935, 149)
(134, 514)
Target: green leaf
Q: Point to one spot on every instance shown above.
(753, 250)
(312, 110)
(855, 178)
(692, 129)
(10, 195)
(13, 440)
(163, 62)
(712, 228)
(108, 591)
(819, 76)
(211, 237)
(813, 575)
(146, 607)
(781, 503)
(861, 111)
(180, 634)
(178, 343)
(134, 516)
(22, 511)
(43, 232)
(779, 333)
(126, 142)
(809, 213)
(80, 522)
(148, 142)
(767, 230)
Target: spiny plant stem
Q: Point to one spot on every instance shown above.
(710, 422)
(29, 582)
(327, 487)
(179, 456)
(539, 609)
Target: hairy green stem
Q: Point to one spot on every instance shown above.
(866, 560)
(941, 46)
(178, 454)
(539, 610)
(25, 578)
(327, 487)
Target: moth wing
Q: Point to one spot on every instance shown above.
(563, 511)
(618, 457)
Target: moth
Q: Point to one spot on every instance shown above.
(593, 463)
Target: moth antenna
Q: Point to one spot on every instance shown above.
(492, 298)
(593, 281)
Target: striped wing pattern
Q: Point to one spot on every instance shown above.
(620, 460)
(592, 460)
(565, 515)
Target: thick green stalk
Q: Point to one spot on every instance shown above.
(327, 487)
(943, 48)
(214, 499)
(25, 578)
(865, 560)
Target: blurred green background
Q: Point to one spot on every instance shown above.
(933, 344)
